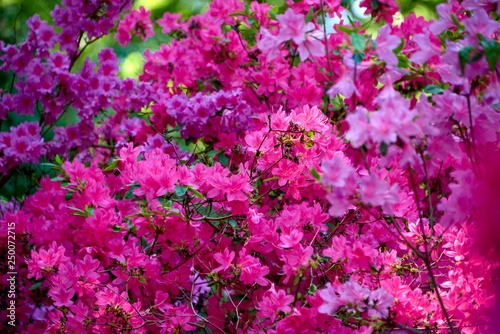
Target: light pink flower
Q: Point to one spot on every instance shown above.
(385, 44)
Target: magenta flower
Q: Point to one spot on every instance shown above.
(224, 259)
(252, 271)
(61, 296)
(427, 47)
(274, 301)
(137, 22)
(293, 27)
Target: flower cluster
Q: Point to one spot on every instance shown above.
(21, 145)
(262, 175)
(137, 22)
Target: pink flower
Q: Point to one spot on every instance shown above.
(178, 320)
(378, 192)
(380, 301)
(385, 44)
(340, 248)
(383, 128)
(225, 260)
(269, 43)
(46, 260)
(427, 47)
(274, 301)
(170, 21)
(87, 268)
(353, 294)
(291, 239)
(330, 300)
(445, 21)
(137, 22)
(61, 296)
(359, 129)
(362, 255)
(293, 26)
(336, 172)
(235, 187)
(480, 23)
(313, 45)
(339, 201)
(308, 39)
(286, 170)
(349, 74)
(156, 174)
(252, 271)
(380, 9)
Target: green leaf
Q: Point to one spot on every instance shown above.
(111, 167)
(180, 190)
(358, 57)
(309, 144)
(383, 148)
(310, 14)
(58, 160)
(492, 52)
(315, 174)
(213, 153)
(223, 159)
(463, 56)
(144, 243)
(58, 178)
(433, 89)
(456, 21)
(312, 289)
(358, 42)
(36, 285)
(343, 29)
(232, 222)
(142, 280)
(403, 61)
(89, 211)
(238, 14)
(197, 193)
(481, 38)
(251, 63)
(174, 214)
(272, 14)
(400, 46)
(271, 178)
(50, 164)
(139, 215)
(78, 210)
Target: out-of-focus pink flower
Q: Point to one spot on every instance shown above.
(385, 44)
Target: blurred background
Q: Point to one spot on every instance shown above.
(14, 13)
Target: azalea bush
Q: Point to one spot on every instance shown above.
(270, 171)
